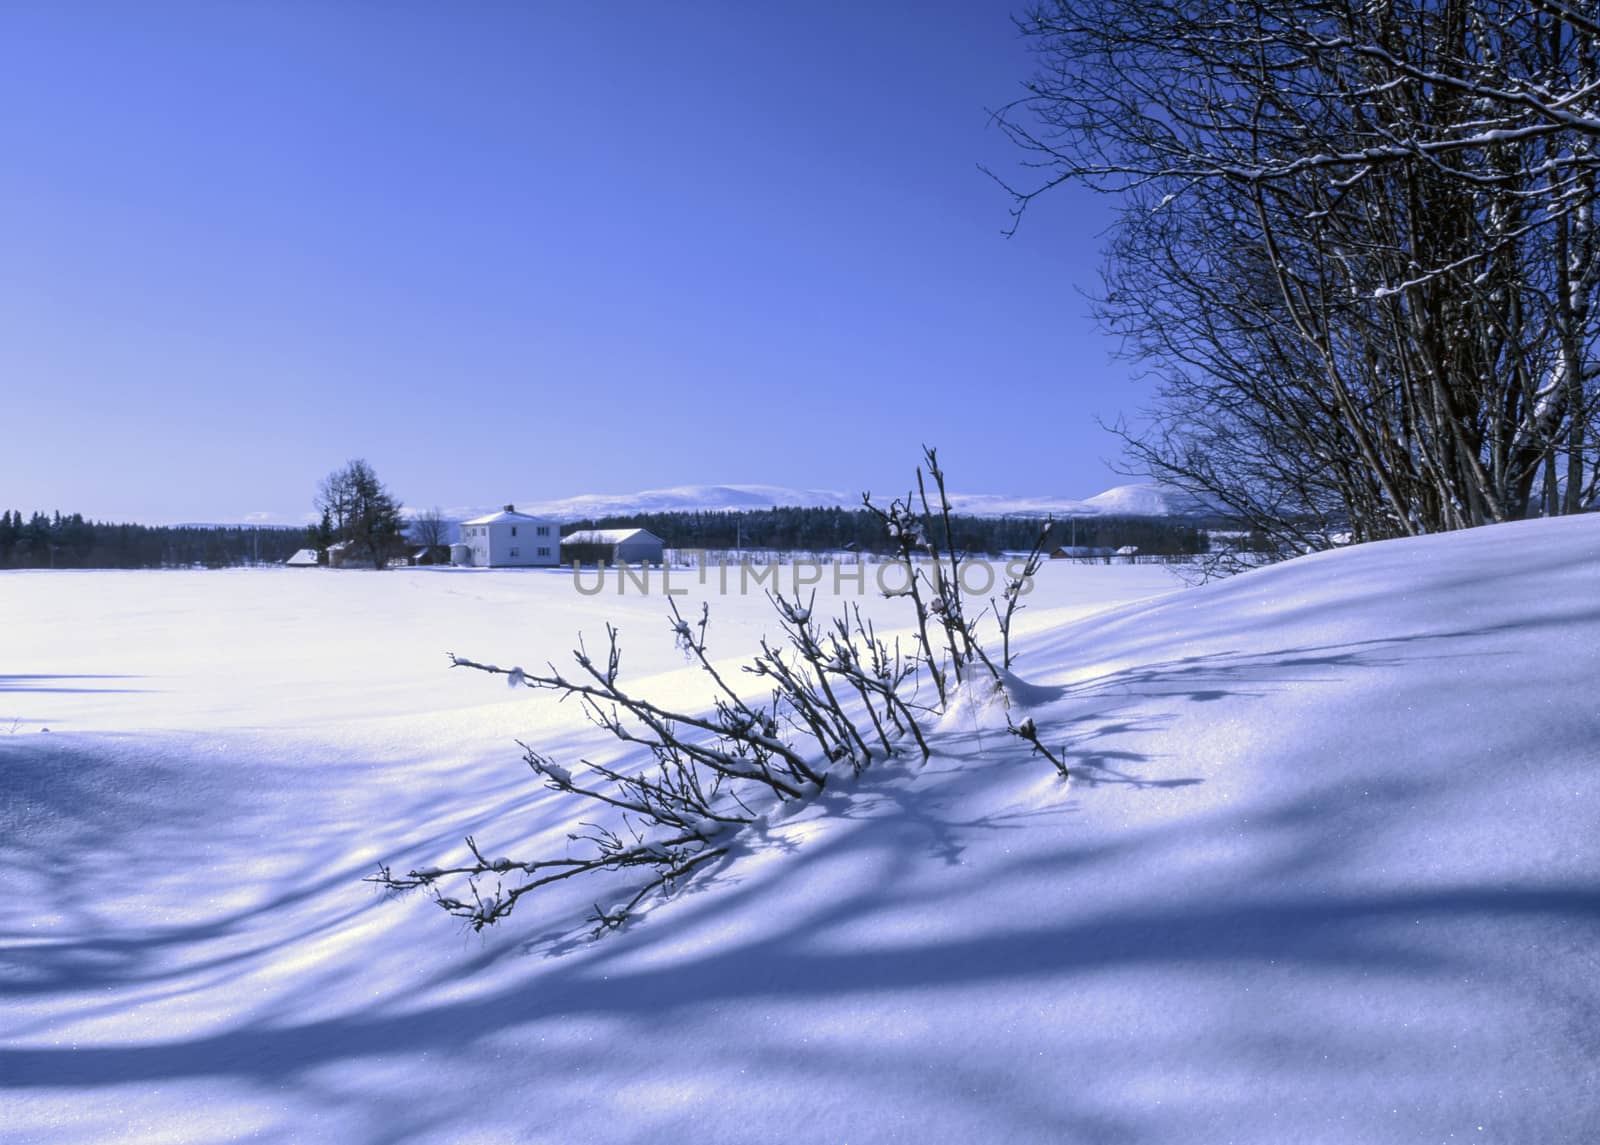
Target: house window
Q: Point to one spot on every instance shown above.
(544, 550)
(513, 552)
(513, 530)
(543, 530)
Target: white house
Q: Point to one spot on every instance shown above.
(508, 539)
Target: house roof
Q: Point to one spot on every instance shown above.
(303, 558)
(609, 536)
(507, 515)
(1082, 551)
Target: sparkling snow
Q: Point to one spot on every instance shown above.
(1329, 870)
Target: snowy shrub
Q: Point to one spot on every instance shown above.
(1016, 586)
(837, 696)
(925, 542)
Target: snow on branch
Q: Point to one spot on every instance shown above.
(832, 694)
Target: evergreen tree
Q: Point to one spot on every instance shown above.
(362, 511)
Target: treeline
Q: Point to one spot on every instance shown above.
(69, 541)
(62, 541)
(823, 530)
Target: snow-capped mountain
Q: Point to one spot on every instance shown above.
(1146, 500)
(1150, 500)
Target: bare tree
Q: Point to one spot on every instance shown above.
(1357, 248)
(334, 500)
(429, 528)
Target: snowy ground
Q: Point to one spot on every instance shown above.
(1338, 880)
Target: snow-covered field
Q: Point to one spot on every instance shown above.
(1336, 878)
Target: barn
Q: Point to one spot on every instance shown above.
(342, 553)
(612, 547)
(1086, 554)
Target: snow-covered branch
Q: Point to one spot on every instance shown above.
(835, 695)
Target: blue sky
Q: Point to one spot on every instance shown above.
(522, 251)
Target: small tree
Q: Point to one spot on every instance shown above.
(429, 528)
(320, 536)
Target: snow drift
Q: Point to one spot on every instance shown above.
(1329, 872)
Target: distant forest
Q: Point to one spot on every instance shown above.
(63, 541)
(820, 530)
(69, 542)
